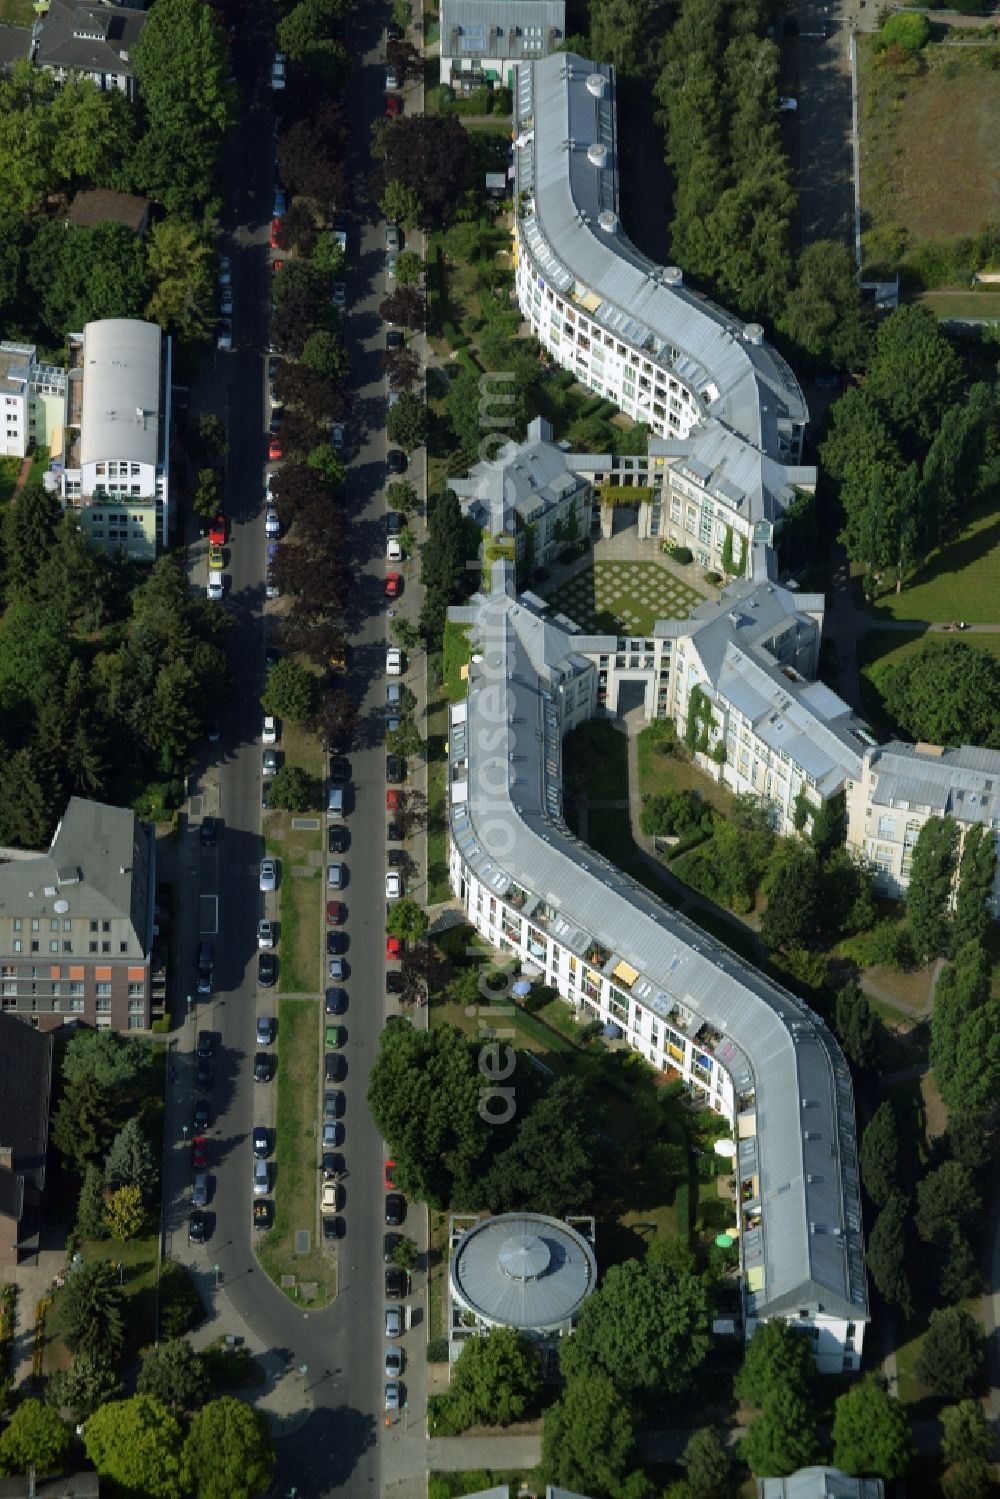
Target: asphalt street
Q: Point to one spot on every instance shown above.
(340, 1349)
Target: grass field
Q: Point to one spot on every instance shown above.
(17, 12)
(659, 774)
(624, 597)
(595, 762)
(455, 656)
(946, 303)
(300, 896)
(961, 581)
(880, 650)
(928, 149)
(296, 1178)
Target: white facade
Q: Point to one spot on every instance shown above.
(680, 999)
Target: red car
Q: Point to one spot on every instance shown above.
(390, 1167)
(335, 912)
(394, 947)
(275, 231)
(199, 1153)
(276, 266)
(217, 531)
(393, 106)
(274, 449)
(393, 585)
(394, 801)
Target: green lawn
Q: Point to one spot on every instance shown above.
(961, 581)
(17, 12)
(660, 774)
(963, 304)
(296, 1177)
(624, 597)
(880, 650)
(300, 896)
(455, 656)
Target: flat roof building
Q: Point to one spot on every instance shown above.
(523, 1270)
(484, 40)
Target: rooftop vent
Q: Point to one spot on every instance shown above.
(608, 221)
(673, 275)
(753, 333)
(596, 85)
(597, 154)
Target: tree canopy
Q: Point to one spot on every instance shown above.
(588, 1440)
(946, 694)
(928, 894)
(953, 1353)
(228, 1452)
(495, 1381)
(137, 1444)
(36, 1437)
(871, 1431)
(879, 1154)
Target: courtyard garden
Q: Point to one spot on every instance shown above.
(623, 598)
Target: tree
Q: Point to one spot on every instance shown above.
(588, 1440)
(618, 33)
(179, 264)
(210, 436)
(783, 1437)
(311, 155)
(776, 1357)
(443, 571)
(175, 1374)
(946, 1197)
(403, 368)
(181, 1308)
(90, 1309)
(953, 473)
(405, 740)
(495, 1381)
(181, 62)
(409, 268)
(401, 204)
(36, 1437)
(130, 1161)
(307, 23)
(953, 1353)
(550, 1165)
(427, 1095)
(82, 1125)
(113, 1061)
(886, 1253)
(966, 1433)
(646, 1326)
(871, 1431)
(228, 1453)
(792, 914)
(404, 59)
(946, 694)
(971, 1479)
(406, 633)
(400, 495)
(335, 721)
(291, 690)
(977, 873)
(406, 307)
(323, 352)
(326, 462)
(879, 1154)
(407, 920)
(90, 1205)
(294, 790)
(823, 313)
(124, 1212)
(137, 1444)
(962, 988)
(28, 533)
(912, 33)
(929, 890)
(974, 1085)
(406, 422)
(207, 499)
(431, 155)
(89, 1382)
(914, 373)
(707, 1463)
(856, 1028)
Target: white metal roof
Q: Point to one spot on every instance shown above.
(523, 1270)
(120, 414)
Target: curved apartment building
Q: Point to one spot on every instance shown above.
(761, 1058)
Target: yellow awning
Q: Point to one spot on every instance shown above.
(625, 974)
(755, 1278)
(591, 301)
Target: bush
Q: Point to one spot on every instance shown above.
(680, 554)
(910, 32)
(886, 943)
(437, 1350)
(181, 1307)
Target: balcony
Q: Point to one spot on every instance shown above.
(597, 956)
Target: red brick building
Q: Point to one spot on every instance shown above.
(25, 1097)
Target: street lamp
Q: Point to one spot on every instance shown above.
(184, 1132)
(216, 1269)
(189, 1001)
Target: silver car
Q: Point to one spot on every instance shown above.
(268, 875)
(392, 1395)
(394, 1321)
(335, 876)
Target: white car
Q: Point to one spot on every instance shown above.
(269, 734)
(393, 550)
(265, 940)
(278, 70)
(224, 337)
(339, 295)
(391, 78)
(390, 265)
(216, 584)
(268, 876)
(394, 662)
(272, 525)
(225, 271)
(788, 106)
(393, 885)
(331, 1197)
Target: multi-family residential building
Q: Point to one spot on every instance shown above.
(728, 407)
(25, 1094)
(757, 1054)
(530, 492)
(33, 397)
(900, 786)
(77, 923)
(88, 41)
(113, 466)
(483, 41)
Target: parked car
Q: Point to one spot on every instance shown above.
(265, 1030)
(393, 550)
(395, 769)
(334, 1067)
(395, 1283)
(330, 1198)
(267, 969)
(265, 933)
(272, 525)
(392, 1395)
(268, 875)
(338, 436)
(334, 1036)
(336, 969)
(393, 585)
(216, 557)
(391, 77)
(261, 1142)
(217, 530)
(393, 885)
(336, 912)
(269, 733)
(395, 661)
(270, 762)
(202, 1116)
(199, 1153)
(197, 1227)
(335, 876)
(339, 295)
(225, 271)
(203, 1075)
(394, 1321)
(261, 1178)
(393, 106)
(392, 238)
(207, 834)
(340, 770)
(395, 1209)
(224, 337)
(396, 461)
(263, 1067)
(216, 586)
(394, 983)
(338, 839)
(199, 1190)
(393, 1360)
(787, 106)
(278, 73)
(395, 338)
(394, 948)
(333, 1106)
(226, 301)
(335, 1001)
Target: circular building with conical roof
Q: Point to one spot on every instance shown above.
(523, 1270)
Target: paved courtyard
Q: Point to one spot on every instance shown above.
(623, 597)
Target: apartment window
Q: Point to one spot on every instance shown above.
(67, 925)
(54, 945)
(93, 926)
(136, 1006)
(17, 923)
(105, 947)
(76, 988)
(17, 944)
(67, 946)
(34, 923)
(135, 1022)
(105, 926)
(103, 1007)
(103, 990)
(34, 946)
(123, 947)
(54, 924)
(92, 946)
(76, 1005)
